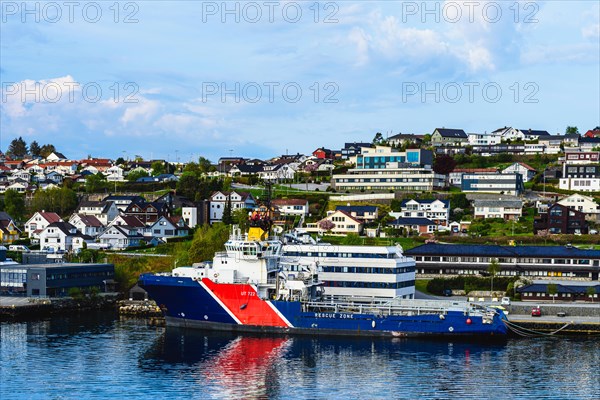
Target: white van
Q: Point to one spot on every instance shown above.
(505, 301)
(18, 247)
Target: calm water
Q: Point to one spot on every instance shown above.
(99, 356)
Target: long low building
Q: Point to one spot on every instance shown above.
(531, 261)
(54, 280)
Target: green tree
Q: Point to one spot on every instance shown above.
(227, 215)
(552, 290)
(459, 200)
(351, 239)
(207, 241)
(204, 165)
(46, 150)
(188, 185)
(62, 201)
(17, 148)
(95, 183)
(137, 174)
(158, 168)
(120, 161)
(493, 270)
(14, 204)
(240, 217)
(378, 139)
(590, 291)
(34, 149)
(571, 130)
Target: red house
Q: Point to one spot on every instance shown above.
(323, 153)
(593, 132)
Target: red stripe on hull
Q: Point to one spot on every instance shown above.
(243, 302)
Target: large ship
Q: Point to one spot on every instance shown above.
(255, 286)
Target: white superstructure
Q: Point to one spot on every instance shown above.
(356, 271)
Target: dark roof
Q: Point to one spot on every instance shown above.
(412, 221)
(501, 251)
(90, 220)
(454, 133)
(359, 210)
(356, 145)
(65, 227)
(250, 169)
(424, 201)
(589, 140)
(535, 132)
(130, 198)
(560, 288)
(5, 217)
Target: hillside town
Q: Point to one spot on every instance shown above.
(489, 194)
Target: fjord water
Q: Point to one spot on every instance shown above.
(100, 356)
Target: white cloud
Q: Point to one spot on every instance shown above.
(143, 110)
(591, 32)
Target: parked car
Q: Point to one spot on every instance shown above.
(447, 292)
(18, 247)
(593, 232)
(505, 301)
(536, 311)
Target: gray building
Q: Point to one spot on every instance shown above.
(54, 280)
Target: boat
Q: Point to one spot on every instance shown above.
(252, 287)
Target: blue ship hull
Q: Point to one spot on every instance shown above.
(207, 305)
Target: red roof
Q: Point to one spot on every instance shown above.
(289, 202)
(471, 170)
(50, 216)
(527, 166)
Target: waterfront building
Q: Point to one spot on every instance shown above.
(541, 262)
(455, 177)
(565, 291)
(54, 280)
(367, 271)
(291, 206)
(414, 224)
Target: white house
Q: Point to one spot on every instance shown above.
(39, 221)
(507, 209)
(340, 223)
(105, 211)
(128, 220)
(291, 206)
(582, 203)
(526, 171)
(435, 210)
(55, 177)
(166, 227)
(484, 139)
(114, 174)
(87, 224)
(238, 200)
(56, 156)
(20, 174)
(120, 237)
(62, 236)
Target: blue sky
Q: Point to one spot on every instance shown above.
(361, 67)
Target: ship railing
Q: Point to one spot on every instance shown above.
(373, 308)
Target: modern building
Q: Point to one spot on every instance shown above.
(351, 149)
(581, 178)
(561, 219)
(383, 168)
(54, 280)
(540, 262)
(197, 214)
(371, 271)
(455, 177)
(484, 139)
(492, 183)
(581, 157)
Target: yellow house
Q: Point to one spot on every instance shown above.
(8, 229)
